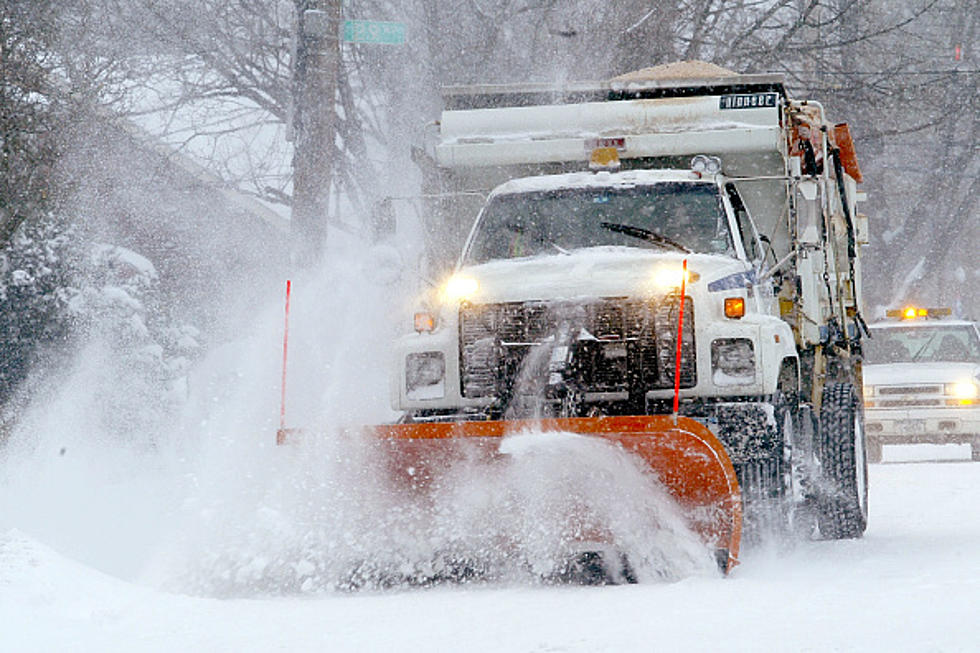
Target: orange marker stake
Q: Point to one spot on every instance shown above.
(680, 339)
(285, 349)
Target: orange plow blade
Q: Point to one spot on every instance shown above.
(684, 454)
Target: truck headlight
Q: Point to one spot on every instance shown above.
(670, 277)
(425, 375)
(732, 361)
(459, 287)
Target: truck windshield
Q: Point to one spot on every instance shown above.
(556, 221)
(945, 344)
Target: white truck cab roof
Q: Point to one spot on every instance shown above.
(601, 179)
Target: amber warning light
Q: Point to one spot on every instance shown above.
(734, 307)
(914, 312)
(424, 322)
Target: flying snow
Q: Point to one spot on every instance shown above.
(207, 503)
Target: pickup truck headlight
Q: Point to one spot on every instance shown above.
(963, 393)
(425, 375)
(732, 361)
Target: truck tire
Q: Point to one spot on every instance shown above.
(842, 493)
(760, 444)
(803, 525)
(785, 503)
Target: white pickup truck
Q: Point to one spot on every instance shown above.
(922, 382)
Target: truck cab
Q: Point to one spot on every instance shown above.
(584, 270)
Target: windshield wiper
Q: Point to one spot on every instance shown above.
(915, 356)
(644, 234)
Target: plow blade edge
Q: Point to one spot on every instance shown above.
(684, 454)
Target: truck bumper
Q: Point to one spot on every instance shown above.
(934, 426)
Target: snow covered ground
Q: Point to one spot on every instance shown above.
(911, 584)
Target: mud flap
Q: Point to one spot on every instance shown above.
(684, 454)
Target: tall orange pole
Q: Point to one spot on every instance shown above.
(680, 339)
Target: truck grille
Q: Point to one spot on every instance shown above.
(618, 345)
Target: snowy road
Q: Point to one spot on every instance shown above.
(912, 584)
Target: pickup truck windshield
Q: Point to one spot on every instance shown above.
(557, 221)
(938, 344)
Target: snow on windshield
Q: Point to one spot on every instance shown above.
(649, 216)
(947, 344)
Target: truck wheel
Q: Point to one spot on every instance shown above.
(842, 496)
(764, 470)
(787, 502)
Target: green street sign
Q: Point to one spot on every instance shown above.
(373, 31)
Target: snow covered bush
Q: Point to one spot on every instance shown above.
(35, 268)
(69, 303)
(138, 354)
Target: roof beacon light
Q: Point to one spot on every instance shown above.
(914, 312)
(704, 164)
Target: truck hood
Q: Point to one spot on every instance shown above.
(592, 272)
(903, 373)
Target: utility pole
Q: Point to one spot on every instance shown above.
(315, 71)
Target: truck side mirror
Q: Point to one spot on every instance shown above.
(808, 213)
(861, 224)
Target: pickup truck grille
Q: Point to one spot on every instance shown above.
(618, 345)
(907, 396)
(910, 389)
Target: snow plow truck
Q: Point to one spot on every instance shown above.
(668, 261)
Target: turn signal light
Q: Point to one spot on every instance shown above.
(424, 322)
(734, 307)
